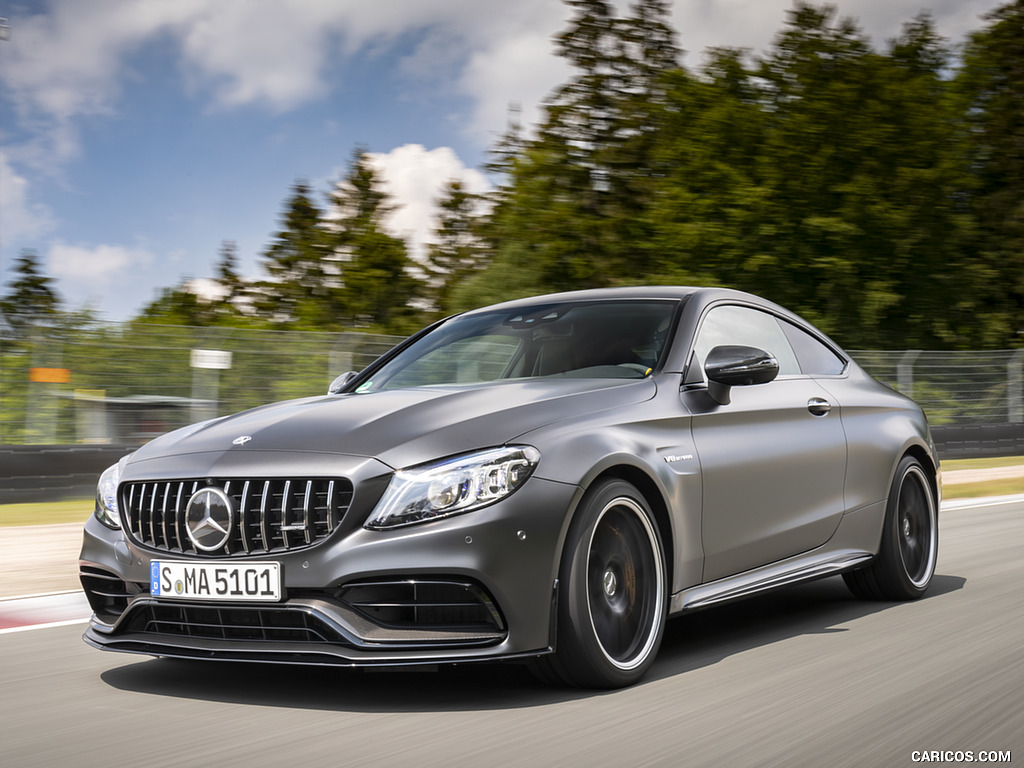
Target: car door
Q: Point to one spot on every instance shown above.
(772, 460)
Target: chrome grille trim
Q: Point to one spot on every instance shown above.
(272, 514)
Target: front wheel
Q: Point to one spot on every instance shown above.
(905, 563)
(612, 603)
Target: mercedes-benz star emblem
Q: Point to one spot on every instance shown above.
(241, 440)
(209, 518)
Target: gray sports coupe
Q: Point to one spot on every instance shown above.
(547, 480)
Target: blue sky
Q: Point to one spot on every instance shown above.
(138, 135)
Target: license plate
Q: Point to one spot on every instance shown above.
(215, 581)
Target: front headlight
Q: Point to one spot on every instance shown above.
(453, 486)
(106, 495)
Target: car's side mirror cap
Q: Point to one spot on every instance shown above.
(339, 383)
(731, 365)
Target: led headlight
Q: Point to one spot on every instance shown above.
(106, 495)
(453, 486)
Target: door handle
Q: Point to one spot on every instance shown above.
(819, 406)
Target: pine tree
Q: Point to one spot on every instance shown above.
(31, 299)
(458, 249)
(375, 269)
(992, 85)
(305, 287)
(576, 200)
(227, 270)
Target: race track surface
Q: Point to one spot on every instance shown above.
(806, 676)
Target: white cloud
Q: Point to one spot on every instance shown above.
(414, 177)
(95, 266)
(21, 219)
(515, 71)
(68, 63)
(71, 60)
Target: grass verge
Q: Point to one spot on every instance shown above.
(1010, 486)
(46, 513)
(951, 465)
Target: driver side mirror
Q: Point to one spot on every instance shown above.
(730, 366)
(339, 383)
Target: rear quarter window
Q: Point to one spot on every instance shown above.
(816, 359)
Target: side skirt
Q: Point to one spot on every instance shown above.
(801, 568)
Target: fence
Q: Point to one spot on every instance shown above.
(124, 384)
(127, 384)
(955, 388)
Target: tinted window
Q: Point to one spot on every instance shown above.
(815, 358)
(747, 327)
(614, 339)
(478, 358)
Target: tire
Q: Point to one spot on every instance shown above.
(905, 563)
(613, 594)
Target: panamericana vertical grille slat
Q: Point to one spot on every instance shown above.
(270, 515)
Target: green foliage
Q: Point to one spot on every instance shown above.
(459, 246)
(578, 191)
(880, 193)
(991, 85)
(30, 300)
(373, 266)
(304, 288)
(861, 188)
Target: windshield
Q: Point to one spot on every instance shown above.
(610, 339)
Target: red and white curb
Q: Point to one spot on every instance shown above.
(59, 609)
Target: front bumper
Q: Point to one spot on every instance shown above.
(478, 586)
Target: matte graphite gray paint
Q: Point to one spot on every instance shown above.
(787, 480)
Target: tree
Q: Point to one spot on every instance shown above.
(574, 205)
(859, 184)
(458, 248)
(991, 83)
(305, 287)
(374, 267)
(227, 275)
(31, 299)
(707, 208)
(177, 306)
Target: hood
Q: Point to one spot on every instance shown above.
(402, 428)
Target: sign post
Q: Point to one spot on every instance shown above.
(206, 366)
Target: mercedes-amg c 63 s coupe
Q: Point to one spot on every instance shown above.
(545, 480)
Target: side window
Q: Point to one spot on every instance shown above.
(815, 358)
(748, 327)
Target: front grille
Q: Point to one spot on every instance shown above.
(270, 515)
(272, 625)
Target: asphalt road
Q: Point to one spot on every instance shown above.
(807, 676)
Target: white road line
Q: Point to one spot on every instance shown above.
(48, 625)
(992, 501)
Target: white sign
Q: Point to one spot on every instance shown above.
(211, 358)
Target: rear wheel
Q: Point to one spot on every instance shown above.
(612, 603)
(905, 563)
